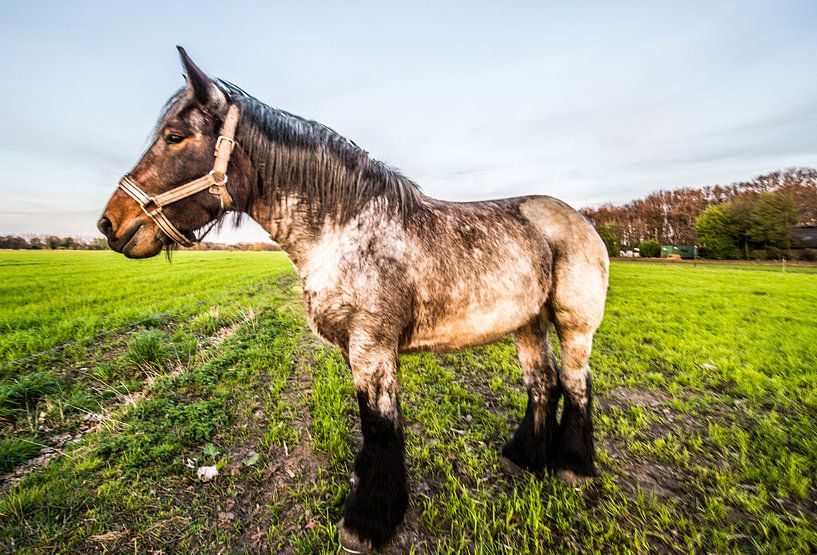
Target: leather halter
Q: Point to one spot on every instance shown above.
(215, 182)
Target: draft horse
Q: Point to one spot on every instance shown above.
(384, 270)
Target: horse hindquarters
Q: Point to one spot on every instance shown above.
(578, 307)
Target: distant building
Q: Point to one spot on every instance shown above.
(805, 236)
(686, 252)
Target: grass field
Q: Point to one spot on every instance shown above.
(706, 416)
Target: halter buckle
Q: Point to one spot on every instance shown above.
(216, 182)
(221, 139)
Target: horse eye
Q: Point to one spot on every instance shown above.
(174, 139)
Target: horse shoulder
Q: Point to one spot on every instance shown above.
(350, 275)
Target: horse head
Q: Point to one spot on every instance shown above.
(177, 187)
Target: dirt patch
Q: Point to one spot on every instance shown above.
(664, 419)
(625, 396)
(218, 338)
(634, 475)
(291, 468)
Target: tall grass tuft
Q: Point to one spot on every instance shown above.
(149, 349)
(14, 451)
(25, 391)
(19, 502)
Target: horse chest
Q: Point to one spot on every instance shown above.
(328, 307)
(333, 294)
(343, 275)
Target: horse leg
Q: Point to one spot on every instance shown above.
(530, 446)
(574, 439)
(580, 279)
(379, 496)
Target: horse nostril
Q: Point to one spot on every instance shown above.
(105, 226)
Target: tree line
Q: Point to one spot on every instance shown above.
(51, 242)
(752, 219)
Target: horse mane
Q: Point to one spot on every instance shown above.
(298, 158)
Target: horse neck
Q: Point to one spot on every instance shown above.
(296, 215)
(278, 204)
(287, 224)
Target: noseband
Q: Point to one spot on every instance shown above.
(215, 182)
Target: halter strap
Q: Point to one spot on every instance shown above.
(215, 182)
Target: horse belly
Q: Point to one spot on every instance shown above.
(475, 323)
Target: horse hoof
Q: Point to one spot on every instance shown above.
(571, 478)
(511, 467)
(350, 543)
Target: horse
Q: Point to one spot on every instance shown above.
(384, 270)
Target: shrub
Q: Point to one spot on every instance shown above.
(773, 253)
(721, 229)
(611, 235)
(650, 249)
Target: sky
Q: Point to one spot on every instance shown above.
(590, 102)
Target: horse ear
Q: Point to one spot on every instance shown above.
(203, 88)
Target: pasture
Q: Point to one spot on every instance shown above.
(121, 378)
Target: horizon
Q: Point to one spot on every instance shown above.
(89, 238)
(472, 102)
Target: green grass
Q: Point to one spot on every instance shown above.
(706, 428)
(107, 327)
(53, 298)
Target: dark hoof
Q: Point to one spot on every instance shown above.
(510, 467)
(522, 457)
(574, 464)
(571, 478)
(350, 543)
